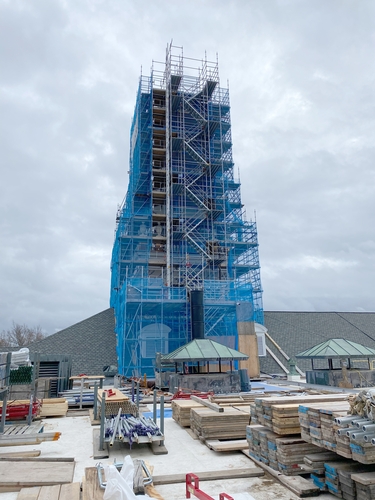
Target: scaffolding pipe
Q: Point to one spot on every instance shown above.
(115, 426)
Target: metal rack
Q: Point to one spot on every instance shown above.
(129, 409)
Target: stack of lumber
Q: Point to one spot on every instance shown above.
(363, 453)
(267, 440)
(114, 400)
(285, 454)
(253, 413)
(328, 413)
(347, 485)
(280, 414)
(332, 479)
(262, 444)
(54, 407)
(318, 427)
(253, 439)
(228, 424)
(285, 419)
(233, 399)
(291, 452)
(181, 410)
(339, 477)
(315, 465)
(364, 485)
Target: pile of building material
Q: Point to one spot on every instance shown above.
(317, 424)
(359, 436)
(280, 414)
(114, 400)
(315, 465)
(285, 454)
(228, 424)
(19, 409)
(364, 485)
(54, 407)
(181, 410)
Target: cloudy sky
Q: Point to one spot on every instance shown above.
(301, 77)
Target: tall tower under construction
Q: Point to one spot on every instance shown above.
(181, 227)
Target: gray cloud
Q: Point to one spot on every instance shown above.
(301, 80)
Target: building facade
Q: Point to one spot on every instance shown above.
(182, 225)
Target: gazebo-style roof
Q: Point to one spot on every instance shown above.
(337, 348)
(200, 350)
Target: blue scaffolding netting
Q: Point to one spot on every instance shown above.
(182, 225)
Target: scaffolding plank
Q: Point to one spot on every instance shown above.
(16, 475)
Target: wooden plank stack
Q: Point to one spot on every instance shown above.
(332, 479)
(284, 454)
(253, 439)
(363, 453)
(285, 421)
(328, 413)
(318, 427)
(365, 485)
(181, 410)
(280, 414)
(229, 424)
(291, 452)
(347, 484)
(253, 413)
(54, 407)
(315, 465)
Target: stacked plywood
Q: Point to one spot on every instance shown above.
(228, 424)
(181, 410)
(54, 407)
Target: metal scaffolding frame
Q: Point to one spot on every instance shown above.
(182, 225)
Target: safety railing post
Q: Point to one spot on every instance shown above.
(102, 421)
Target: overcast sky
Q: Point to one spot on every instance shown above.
(301, 79)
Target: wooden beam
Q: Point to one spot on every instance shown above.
(20, 454)
(29, 493)
(24, 439)
(204, 402)
(209, 475)
(17, 475)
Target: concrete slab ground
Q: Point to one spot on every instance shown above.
(185, 454)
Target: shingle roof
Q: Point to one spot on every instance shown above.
(91, 343)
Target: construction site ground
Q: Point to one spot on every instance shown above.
(185, 454)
